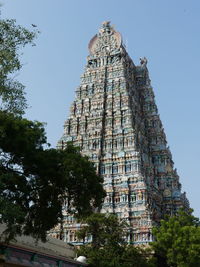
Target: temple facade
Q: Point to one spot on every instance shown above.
(115, 121)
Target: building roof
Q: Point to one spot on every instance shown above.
(27, 251)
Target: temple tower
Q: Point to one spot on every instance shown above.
(114, 120)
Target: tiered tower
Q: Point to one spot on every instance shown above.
(115, 121)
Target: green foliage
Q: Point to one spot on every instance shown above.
(35, 182)
(126, 256)
(84, 186)
(104, 229)
(178, 241)
(108, 248)
(12, 39)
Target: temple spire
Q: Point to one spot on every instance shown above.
(115, 121)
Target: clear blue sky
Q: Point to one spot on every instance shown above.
(166, 32)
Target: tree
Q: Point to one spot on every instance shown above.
(104, 229)
(107, 247)
(84, 187)
(12, 39)
(178, 241)
(35, 181)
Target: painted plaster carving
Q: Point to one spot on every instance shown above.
(143, 61)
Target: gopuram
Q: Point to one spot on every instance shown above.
(115, 121)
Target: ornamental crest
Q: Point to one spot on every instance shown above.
(107, 42)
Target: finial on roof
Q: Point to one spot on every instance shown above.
(106, 27)
(106, 23)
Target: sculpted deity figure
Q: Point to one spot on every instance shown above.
(140, 195)
(143, 61)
